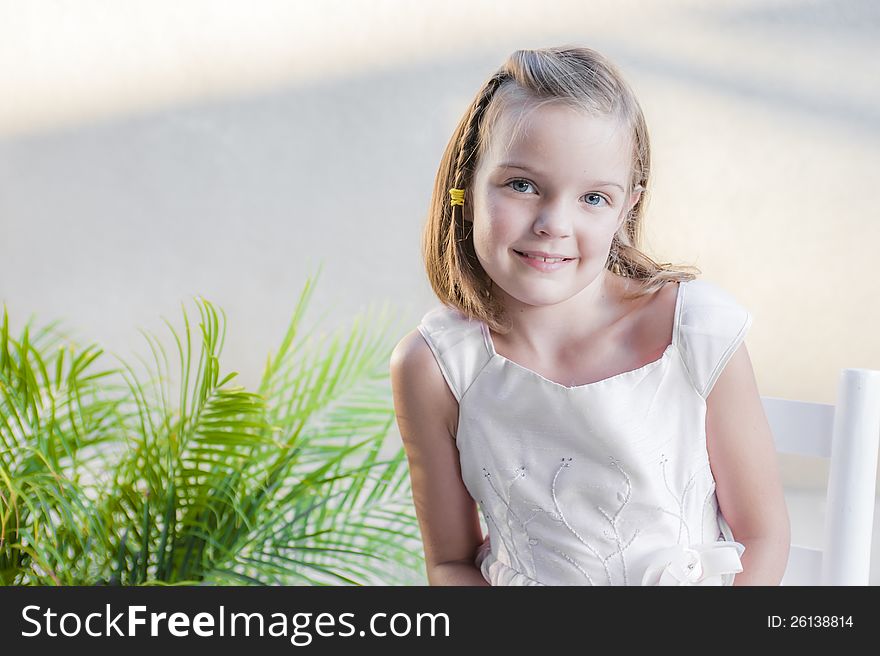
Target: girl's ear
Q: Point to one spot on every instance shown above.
(634, 197)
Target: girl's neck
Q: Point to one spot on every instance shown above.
(593, 314)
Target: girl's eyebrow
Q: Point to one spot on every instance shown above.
(521, 167)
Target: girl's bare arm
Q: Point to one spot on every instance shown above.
(427, 416)
(743, 460)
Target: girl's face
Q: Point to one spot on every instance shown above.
(557, 187)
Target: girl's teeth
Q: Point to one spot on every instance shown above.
(546, 259)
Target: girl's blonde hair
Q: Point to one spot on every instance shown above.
(576, 76)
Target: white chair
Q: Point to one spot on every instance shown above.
(848, 434)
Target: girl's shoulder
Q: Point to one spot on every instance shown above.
(710, 324)
(701, 292)
(458, 344)
(443, 318)
(419, 385)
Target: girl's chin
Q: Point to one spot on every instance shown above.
(533, 299)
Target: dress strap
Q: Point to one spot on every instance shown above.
(458, 346)
(710, 326)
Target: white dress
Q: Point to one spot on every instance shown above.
(606, 483)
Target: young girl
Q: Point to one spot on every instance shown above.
(598, 409)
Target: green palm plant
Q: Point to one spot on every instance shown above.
(56, 422)
(119, 476)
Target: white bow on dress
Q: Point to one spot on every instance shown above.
(697, 564)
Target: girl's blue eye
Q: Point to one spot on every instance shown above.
(595, 199)
(516, 182)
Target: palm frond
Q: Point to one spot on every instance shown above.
(52, 434)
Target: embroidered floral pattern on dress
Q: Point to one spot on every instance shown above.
(684, 563)
(508, 537)
(558, 515)
(679, 500)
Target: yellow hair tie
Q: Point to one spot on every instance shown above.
(457, 196)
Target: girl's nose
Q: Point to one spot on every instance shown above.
(553, 221)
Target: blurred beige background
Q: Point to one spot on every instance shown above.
(152, 151)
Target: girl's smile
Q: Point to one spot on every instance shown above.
(544, 262)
